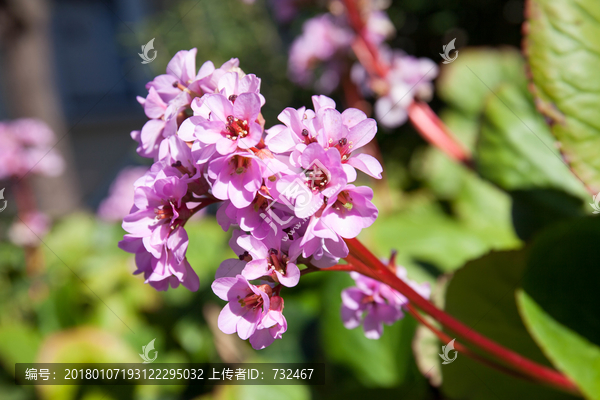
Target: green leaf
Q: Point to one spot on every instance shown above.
(481, 295)
(563, 274)
(563, 50)
(460, 83)
(18, 343)
(572, 354)
(515, 148)
(423, 232)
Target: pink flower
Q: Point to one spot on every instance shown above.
(351, 212)
(409, 78)
(160, 272)
(285, 10)
(323, 177)
(320, 41)
(269, 259)
(236, 177)
(227, 127)
(373, 303)
(27, 146)
(272, 326)
(247, 305)
(259, 218)
(379, 27)
(120, 195)
(30, 229)
(347, 132)
(157, 219)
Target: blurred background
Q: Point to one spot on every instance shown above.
(74, 64)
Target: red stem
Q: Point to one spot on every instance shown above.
(360, 254)
(435, 132)
(421, 116)
(459, 347)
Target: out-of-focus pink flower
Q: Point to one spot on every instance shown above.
(27, 146)
(285, 10)
(373, 303)
(379, 27)
(120, 195)
(409, 78)
(319, 43)
(30, 229)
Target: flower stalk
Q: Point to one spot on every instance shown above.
(361, 255)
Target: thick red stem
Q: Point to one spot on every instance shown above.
(462, 349)
(435, 132)
(421, 116)
(361, 254)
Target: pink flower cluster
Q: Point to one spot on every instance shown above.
(325, 43)
(27, 146)
(373, 303)
(408, 78)
(288, 191)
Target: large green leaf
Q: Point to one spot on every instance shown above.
(515, 148)
(560, 299)
(563, 49)
(563, 274)
(423, 232)
(578, 358)
(466, 83)
(481, 295)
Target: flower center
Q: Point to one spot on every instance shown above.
(236, 128)
(277, 261)
(240, 164)
(254, 300)
(343, 202)
(164, 212)
(344, 147)
(316, 179)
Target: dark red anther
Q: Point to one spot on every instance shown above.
(304, 132)
(273, 251)
(232, 98)
(230, 119)
(175, 84)
(343, 141)
(176, 164)
(243, 256)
